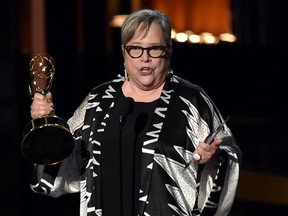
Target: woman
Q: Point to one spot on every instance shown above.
(136, 138)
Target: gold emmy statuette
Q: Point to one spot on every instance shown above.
(46, 140)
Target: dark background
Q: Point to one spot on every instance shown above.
(246, 79)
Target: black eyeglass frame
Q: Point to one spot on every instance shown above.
(162, 48)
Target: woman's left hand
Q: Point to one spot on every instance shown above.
(207, 151)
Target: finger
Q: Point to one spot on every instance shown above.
(205, 151)
(49, 97)
(196, 156)
(38, 96)
(216, 142)
(203, 147)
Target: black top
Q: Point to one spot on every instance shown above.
(131, 132)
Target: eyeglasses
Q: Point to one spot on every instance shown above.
(153, 51)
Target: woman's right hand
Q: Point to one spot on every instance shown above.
(42, 105)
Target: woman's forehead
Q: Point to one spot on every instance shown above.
(154, 31)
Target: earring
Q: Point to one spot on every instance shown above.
(126, 75)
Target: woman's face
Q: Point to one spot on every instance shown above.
(145, 72)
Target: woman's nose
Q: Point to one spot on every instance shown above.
(145, 56)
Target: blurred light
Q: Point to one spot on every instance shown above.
(181, 37)
(208, 38)
(227, 37)
(187, 36)
(117, 20)
(173, 34)
(194, 38)
(189, 32)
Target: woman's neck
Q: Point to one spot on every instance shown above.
(140, 95)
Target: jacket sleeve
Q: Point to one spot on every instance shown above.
(219, 180)
(220, 175)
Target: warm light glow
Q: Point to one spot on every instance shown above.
(227, 37)
(173, 34)
(181, 37)
(214, 16)
(117, 20)
(208, 38)
(189, 32)
(194, 38)
(186, 36)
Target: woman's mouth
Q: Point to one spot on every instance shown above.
(146, 70)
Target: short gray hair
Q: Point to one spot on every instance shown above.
(146, 17)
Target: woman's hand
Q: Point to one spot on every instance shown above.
(42, 105)
(206, 151)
